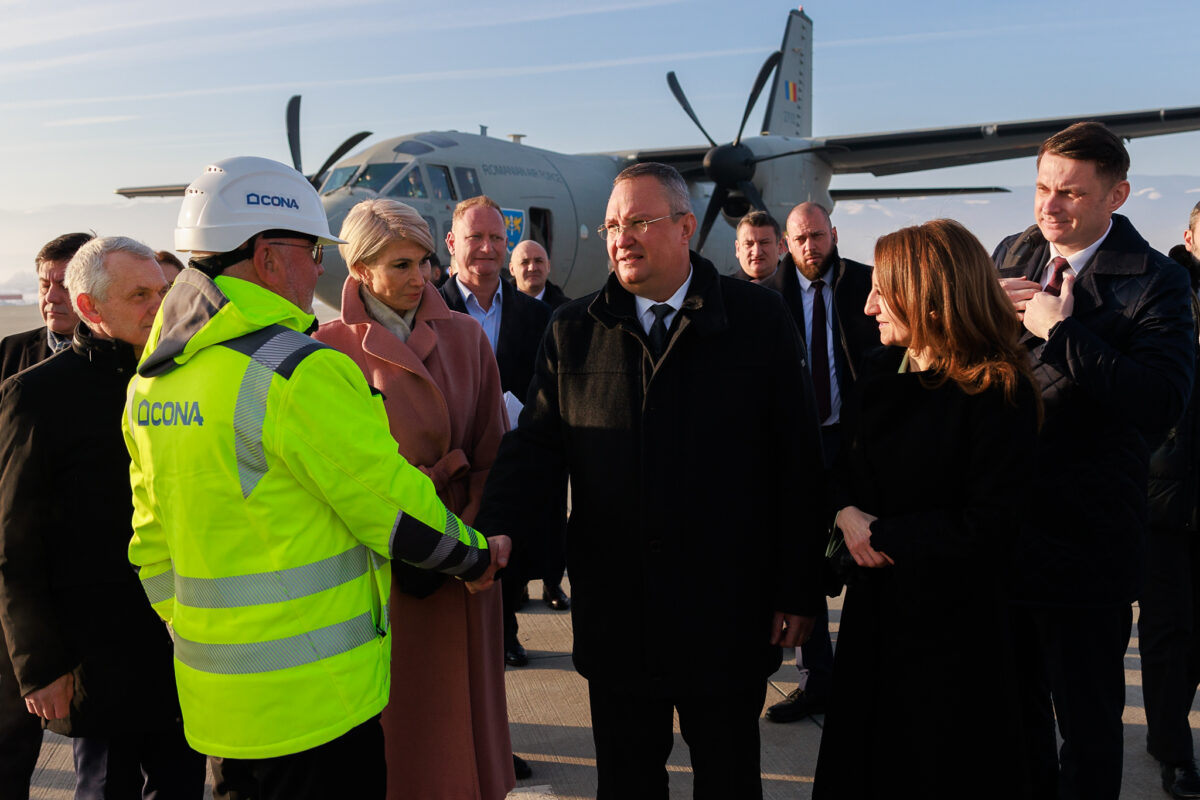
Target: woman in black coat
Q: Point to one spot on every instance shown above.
(927, 487)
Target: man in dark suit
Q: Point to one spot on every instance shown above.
(20, 733)
(640, 396)
(757, 245)
(1169, 606)
(530, 268)
(838, 335)
(514, 323)
(21, 350)
(1109, 328)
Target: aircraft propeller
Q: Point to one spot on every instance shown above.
(729, 166)
(293, 135)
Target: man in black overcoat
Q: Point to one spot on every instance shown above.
(1169, 607)
(639, 396)
(20, 733)
(530, 269)
(812, 268)
(1109, 328)
(91, 657)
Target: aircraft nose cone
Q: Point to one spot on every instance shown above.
(729, 164)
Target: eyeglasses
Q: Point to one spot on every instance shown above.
(318, 250)
(614, 230)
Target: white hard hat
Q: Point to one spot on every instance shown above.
(239, 197)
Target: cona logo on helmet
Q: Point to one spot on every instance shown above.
(253, 199)
(169, 413)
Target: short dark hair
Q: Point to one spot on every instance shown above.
(667, 176)
(760, 219)
(167, 257)
(1193, 216)
(1090, 141)
(62, 248)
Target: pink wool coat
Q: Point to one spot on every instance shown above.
(446, 724)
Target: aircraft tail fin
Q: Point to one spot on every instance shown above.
(789, 106)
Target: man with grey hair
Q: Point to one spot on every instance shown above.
(639, 396)
(92, 659)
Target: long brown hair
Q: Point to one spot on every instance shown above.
(939, 282)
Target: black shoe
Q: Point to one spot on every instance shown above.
(796, 706)
(514, 654)
(555, 597)
(520, 768)
(1182, 781)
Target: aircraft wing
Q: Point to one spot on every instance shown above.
(931, 148)
(175, 190)
(839, 195)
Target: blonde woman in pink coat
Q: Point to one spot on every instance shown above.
(441, 388)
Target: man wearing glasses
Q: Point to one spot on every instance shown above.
(269, 498)
(639, 396)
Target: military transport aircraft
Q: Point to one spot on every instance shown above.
(559, 199)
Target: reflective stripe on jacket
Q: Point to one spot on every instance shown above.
(268, 496)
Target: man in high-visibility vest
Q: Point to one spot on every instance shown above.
(269, 497)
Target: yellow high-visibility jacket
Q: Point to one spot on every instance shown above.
(268, 497)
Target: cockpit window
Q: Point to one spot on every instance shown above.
(468, 183)
(412, 148)
(376, 176)
(410, 185)
(439, 183)
(337, 179)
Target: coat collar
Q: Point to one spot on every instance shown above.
(703, 307)
(378, 341)
(110, 354)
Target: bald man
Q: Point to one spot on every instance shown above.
(838, 335)
(530, 268)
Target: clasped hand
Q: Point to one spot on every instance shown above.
(855, 525)
(500, 547)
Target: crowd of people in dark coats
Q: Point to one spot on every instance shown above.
(1005, 443)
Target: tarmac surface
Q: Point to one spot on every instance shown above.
(550, 719)
(550, 723)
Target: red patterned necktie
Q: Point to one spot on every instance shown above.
(1058, 266)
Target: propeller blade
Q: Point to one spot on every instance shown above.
(759, 82)
(750, 192)
(293, 130)
(676, 90)
(343, 148)
(710, 214)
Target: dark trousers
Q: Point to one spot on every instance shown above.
(816, 655)
(633, 736)
(352, 765)
(1070, 665)
(1169, 641)
(153, 765)
(20, 735)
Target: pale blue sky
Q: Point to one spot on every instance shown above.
(99, 95)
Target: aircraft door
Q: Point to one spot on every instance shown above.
(541, 229)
